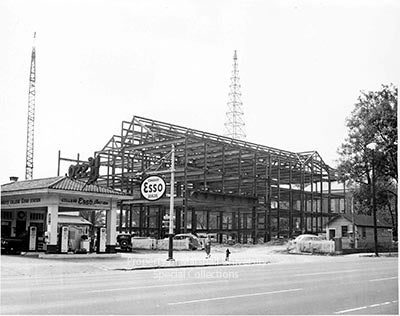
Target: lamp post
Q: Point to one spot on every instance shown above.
(372, 147)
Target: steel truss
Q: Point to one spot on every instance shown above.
(223, 185)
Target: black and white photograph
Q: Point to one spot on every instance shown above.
(199, 157)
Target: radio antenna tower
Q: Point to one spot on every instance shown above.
(31, 115)
(234, 124)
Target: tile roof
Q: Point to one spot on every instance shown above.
(29, 184)
(57, 183)
(364, 220)
(68, 184)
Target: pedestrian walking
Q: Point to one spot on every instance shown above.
(227, 254)
(207, 247)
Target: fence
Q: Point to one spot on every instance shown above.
(159, 244)
(323, 246)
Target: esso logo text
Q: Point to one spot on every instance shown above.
(153, 188)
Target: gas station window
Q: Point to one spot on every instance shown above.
(36, 216)
(6, 215)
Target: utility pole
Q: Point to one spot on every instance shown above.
(353, 222)
(171, 208)
(372, 147)
(234, 124)
(374, 205)
(31, 115)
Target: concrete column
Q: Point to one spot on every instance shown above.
(111, 222)
(52, 228)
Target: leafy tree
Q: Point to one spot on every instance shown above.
(386, 201)
(97, 218)
(373, 120)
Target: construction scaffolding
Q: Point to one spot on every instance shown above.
(236, 189)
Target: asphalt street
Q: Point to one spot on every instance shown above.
(365, 285)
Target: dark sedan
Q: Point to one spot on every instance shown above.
(12, 245)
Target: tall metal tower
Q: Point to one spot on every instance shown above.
(31, 115)
(234, 123)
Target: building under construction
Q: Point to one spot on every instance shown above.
(235, 189)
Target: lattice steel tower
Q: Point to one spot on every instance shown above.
(31, 115)
(234, 123)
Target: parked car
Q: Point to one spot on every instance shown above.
(12, 245)
(302, 238)
(194, 242)
(125, 241)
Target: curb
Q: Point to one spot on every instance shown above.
(190, 266)
(79, 256)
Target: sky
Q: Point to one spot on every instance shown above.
(302, 65)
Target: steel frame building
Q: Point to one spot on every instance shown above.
(236, 189)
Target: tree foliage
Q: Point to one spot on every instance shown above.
(373, 120)
(97, 218)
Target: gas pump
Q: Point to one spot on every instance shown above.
(64, 239)
(32, 238)
(101, 240)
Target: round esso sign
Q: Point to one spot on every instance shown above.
(153, 188)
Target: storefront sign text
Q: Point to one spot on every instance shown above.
(85, 202)
(20, 201)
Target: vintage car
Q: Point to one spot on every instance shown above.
(194, 242)
(13, 245)
(124, 241)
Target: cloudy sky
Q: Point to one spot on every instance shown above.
(302, 65)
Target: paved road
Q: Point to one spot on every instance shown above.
(354, 286)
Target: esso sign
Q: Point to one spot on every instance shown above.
(153, 188)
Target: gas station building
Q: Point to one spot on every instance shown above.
(39, 207)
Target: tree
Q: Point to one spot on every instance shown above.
(386, 200)
(373, 120)
(97, 218)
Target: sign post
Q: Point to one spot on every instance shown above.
(171, 207)
(153, 188)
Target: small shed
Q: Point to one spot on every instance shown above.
(343, 225)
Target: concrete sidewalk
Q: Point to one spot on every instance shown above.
(27, 266)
